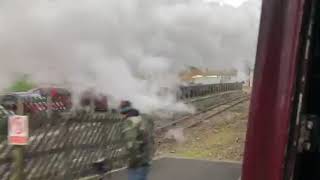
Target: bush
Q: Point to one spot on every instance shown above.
(22, 84)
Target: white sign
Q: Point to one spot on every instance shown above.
(18, 130)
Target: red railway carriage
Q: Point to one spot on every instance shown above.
(33, 102)
(36, 100)
(99, 101)
(283, 138)
(9, 101)
(57, 94)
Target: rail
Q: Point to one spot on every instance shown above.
(205, 113)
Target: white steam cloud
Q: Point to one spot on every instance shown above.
(177, 134)
(128, 49)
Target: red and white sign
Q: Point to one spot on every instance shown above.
(18, 132)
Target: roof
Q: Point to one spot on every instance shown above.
(191, 72)
(47, 90)
(221, 72)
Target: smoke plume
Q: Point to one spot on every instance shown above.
(176, 134)
(128, 49)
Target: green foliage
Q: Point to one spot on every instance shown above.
(22, 84)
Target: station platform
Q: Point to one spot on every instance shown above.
(188, 169)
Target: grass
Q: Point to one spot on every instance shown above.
(220, 139)
(209, 145)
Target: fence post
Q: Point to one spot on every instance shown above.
(68, 158)
(49, 106)
(17, 152)
(92, 104)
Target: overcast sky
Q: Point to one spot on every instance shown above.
(235, 3)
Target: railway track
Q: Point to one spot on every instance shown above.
(200, 104)
(192, 120)
(208, 101)
(195, 100)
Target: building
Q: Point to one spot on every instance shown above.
(195, 75)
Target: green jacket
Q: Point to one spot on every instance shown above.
(138, 134)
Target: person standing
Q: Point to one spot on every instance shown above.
(138, 133)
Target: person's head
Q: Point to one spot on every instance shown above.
(125, 107)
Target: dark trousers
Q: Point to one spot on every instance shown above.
(139, 173)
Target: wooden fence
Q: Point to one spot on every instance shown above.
(68, 146)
